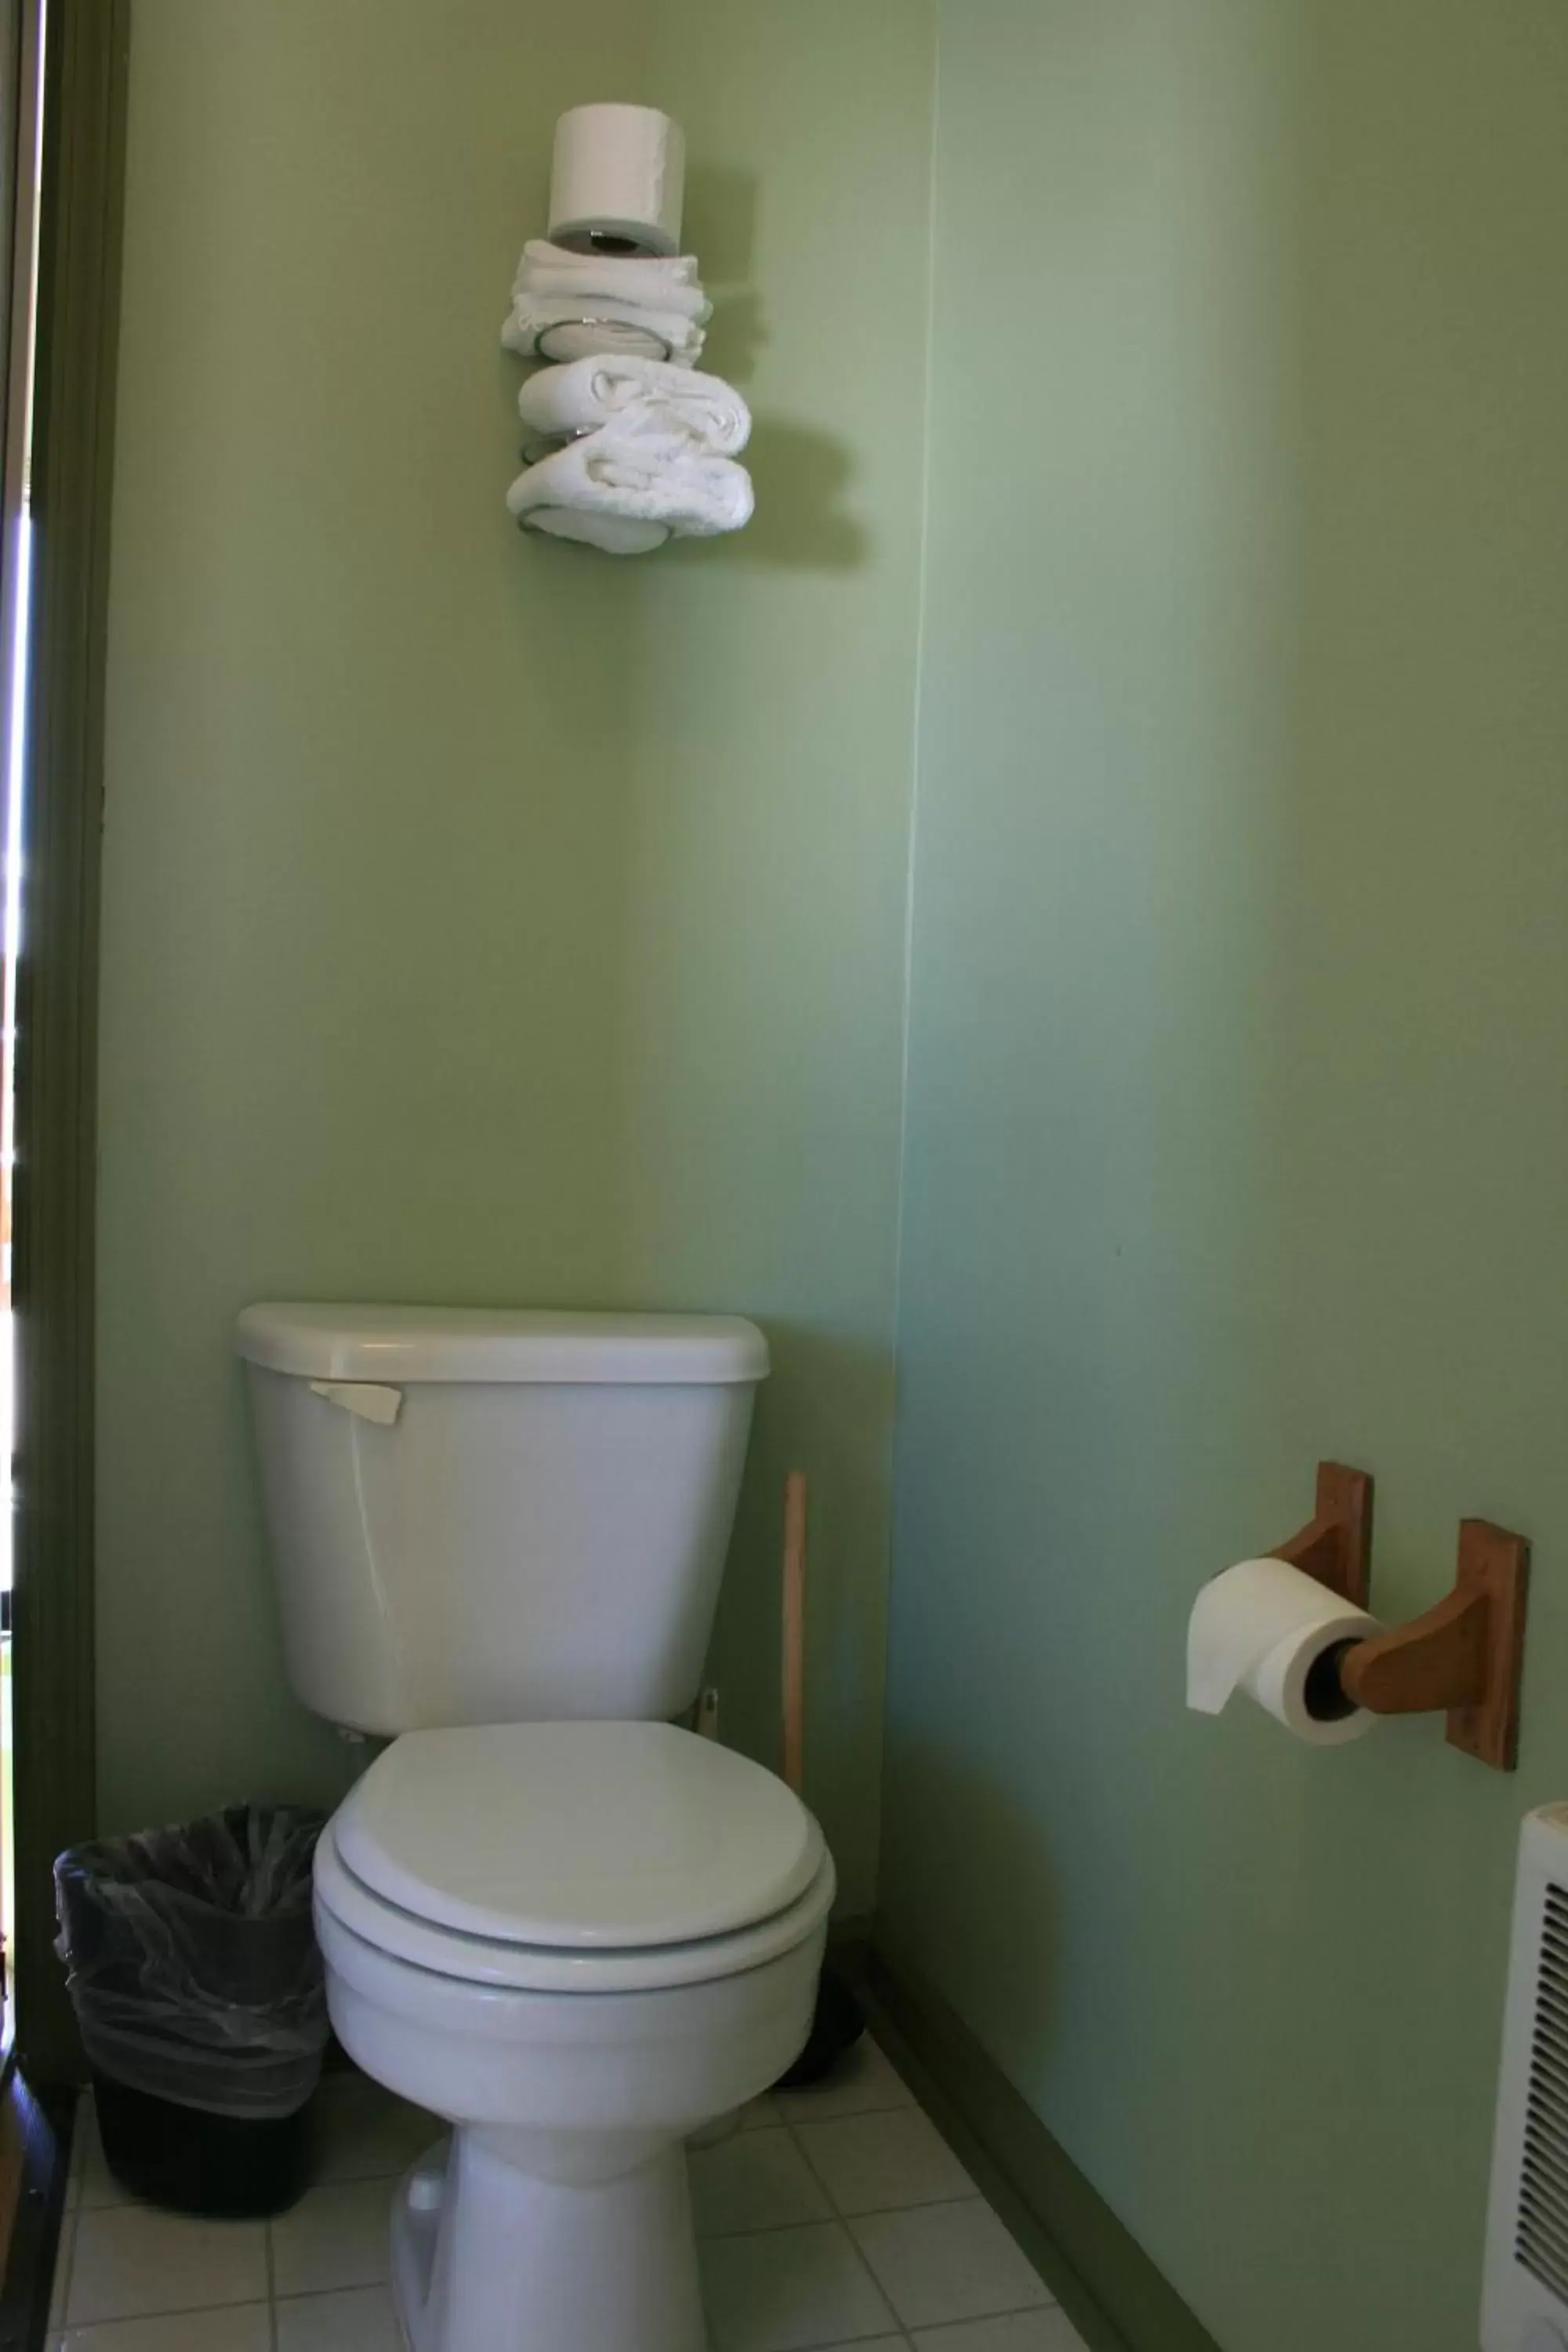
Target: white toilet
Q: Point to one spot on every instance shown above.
(547, 1915)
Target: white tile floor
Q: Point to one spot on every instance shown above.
(834, 2216)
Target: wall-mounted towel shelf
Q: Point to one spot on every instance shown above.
(629, 445)
(1465, 1657)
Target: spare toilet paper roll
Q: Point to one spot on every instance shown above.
(619, 181)
(1261, 1628)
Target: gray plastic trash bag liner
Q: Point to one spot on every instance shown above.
(194, 1966)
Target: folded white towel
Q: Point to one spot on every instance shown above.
(615, 534)
(569, 327)
(650, 480)
(644, 392)
(657, 283)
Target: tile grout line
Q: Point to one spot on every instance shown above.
(805, 2154)
(269, 2301)
(834, 2213)
(847, 2221)
(182, 2310)
(848, 2343)
(344, 2286)
(167, 2311)
(1017, 2311)
(891, 2328)
(843, 2221)
(841, 2115)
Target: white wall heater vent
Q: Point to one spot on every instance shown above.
(1525, 2301)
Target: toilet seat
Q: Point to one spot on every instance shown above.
(488, 1962)
(589, 1857)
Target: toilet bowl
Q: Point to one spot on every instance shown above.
(578, 1943)
(579, 1935)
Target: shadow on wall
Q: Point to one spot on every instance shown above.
(720, 230)
(800, 476)
(801, 522)
(1016, 1947)
(721, 221)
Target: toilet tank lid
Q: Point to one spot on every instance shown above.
(498, 1344)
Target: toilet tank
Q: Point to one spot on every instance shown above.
(497, 1517)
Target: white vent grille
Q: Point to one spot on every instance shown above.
(1525, 2304)
(1542, 2243)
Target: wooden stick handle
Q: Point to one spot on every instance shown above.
(793, 1630)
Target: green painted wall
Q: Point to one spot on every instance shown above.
(767, 834)
(1237, 1127)
(485, 920)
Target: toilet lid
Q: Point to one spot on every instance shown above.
(580, 1836)
(345, 1907)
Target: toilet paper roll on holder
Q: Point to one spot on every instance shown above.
(1465, 1657)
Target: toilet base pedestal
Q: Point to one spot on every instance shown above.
(489, 2257)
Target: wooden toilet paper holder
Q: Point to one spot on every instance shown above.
(1335, 1546)
(1463, 1658)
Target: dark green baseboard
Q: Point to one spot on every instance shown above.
(1104, 2281)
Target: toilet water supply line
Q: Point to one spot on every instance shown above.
(627, 445)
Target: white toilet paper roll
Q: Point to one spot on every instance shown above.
(1261, 1627)
(619, 181)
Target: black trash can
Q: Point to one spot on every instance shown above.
(198, 1989)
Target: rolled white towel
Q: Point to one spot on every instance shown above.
(614, 533)
(560, 327)
(656, 282)
(712, 415)
(648, 479)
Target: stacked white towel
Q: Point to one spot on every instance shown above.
(597, 390)
(567, 305)
(628, 488)
(654, 456)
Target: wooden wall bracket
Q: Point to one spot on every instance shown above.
(1465, 1657)
(1335, 1546)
